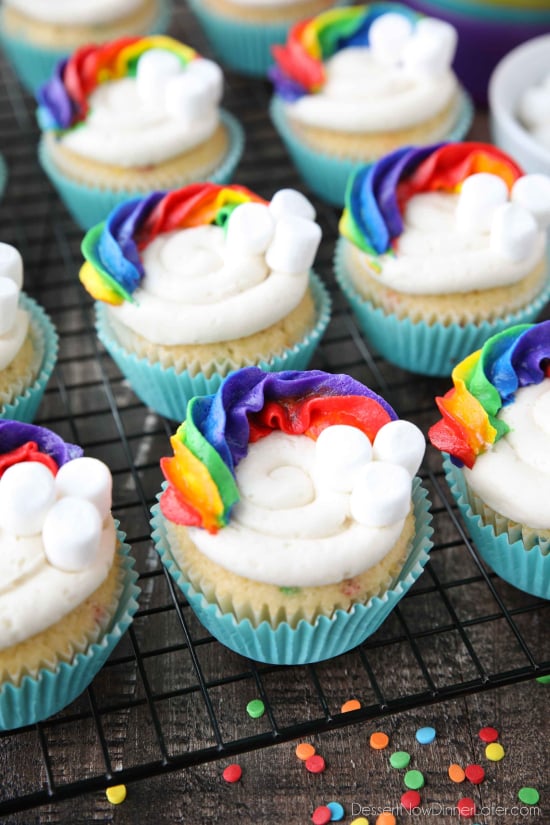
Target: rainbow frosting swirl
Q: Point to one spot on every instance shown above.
(377, 194)
(20, 443)
(299, 63)
(249, 405)
(63, 100)
(113, 269)
(483, 383)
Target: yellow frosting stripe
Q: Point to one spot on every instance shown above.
(465, 408)
(158, 41)
(195, 483)
(94, 283)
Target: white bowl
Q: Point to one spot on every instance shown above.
(523, 67)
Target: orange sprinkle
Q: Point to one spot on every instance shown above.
(386, 818)
(304, 750)
(379, 740)
(351, 704)
(456, 774)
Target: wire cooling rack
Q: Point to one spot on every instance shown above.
(170, 696)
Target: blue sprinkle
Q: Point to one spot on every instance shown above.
(336, 811)
(425, 735)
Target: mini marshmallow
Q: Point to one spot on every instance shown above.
(186, 97)
(250, 229)
(534, 106)
(533, 193)
(381, 495)
(9, 298)
(153, 69)
(340, 453)
(294, 245)
(513, 232)
(210, 75)
(400, 442)
(480, 196)
(388, 35)
(432, 47)
(86, 478)
(291, 202)
(72, 534)
(11, 264)
(27, 492)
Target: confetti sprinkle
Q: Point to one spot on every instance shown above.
(361, 820)
(116, 794)
(379, 740)
(425, 736)
(475, 774)
(304, 750)
(315, 764)
(456, 774)
(321, 815)
(336, 810)
(351, 704)
(400, 760)
(544, 680)
(494, 752)
(386, 818)
(466, 807)
(529, 796)
(410, 800)
(255, 708)
(414, 780)
(488, 735)
(232, 773)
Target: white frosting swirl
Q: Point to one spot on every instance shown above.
(12, 341)
(216, 296)
(75, 12)
(513, 476)
(126, 130)
(361, 94)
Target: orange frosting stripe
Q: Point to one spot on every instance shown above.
(193, 481)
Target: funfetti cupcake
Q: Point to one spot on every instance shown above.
(291, 518)
(36, 34)
(440, 248)
(68, 589)
(353, 84)
(131, 117)
(495, 432)
(28, 342)
(195, 283)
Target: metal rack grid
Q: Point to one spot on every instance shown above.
(168, 679)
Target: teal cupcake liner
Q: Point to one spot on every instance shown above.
(428, 349)
(167, 391)
(528, 570)
(35, 699)
(327, 175)
(326, 637)
(3, 175)
(34, 64)
(25, 406)
(89, 205)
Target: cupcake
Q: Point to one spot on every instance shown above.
(353, 84)
(36, 34)
(130, 117)
(242, 32)
(68, 589)
(195, 283)
(495, 433)
(291, 518)
(28, 343)
(440, 248)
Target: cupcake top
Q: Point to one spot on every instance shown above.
(366, 68)
(14, 321)
(453, 217)
(56, 535)
(75, 12)
(292, 478)
(496, 421)
(136, 101)
(204, 263)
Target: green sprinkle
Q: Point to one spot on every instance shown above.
(400, 759)
(544, 680)
(289, 591)
(255, 708)
(414, 780)
(529, 796)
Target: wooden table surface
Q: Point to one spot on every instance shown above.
(170, 693)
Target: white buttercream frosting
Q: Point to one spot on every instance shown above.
(513, 476)
(534, 111)
(75, 12)
(14, 322)
(12, 341)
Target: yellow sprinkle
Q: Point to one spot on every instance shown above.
(116, 794)
(494, 752)
(361, 820)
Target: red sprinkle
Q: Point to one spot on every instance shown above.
(321, 815)
(232, 773)
(466, 807)
(488, 735)
(315, 764)
(410, 800)
(475, 774)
